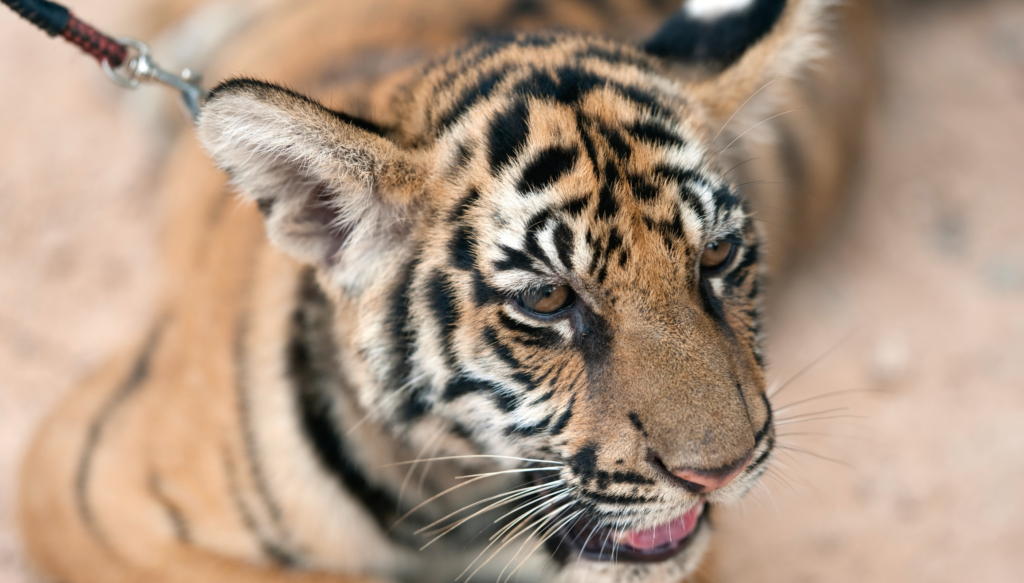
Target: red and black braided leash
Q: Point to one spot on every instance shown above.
(55, 20)
(127, 61)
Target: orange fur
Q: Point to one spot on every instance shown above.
(181, 461)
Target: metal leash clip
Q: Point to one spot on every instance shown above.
(140, 67)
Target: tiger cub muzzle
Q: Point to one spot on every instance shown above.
(656, 442)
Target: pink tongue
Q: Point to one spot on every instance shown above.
(664, 534)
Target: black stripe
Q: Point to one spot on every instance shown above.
(514, 259)
(545, 397)
(529, 430)
(460, 386)
(607, 206)
(132, 383)
(564, 418)
(683, 180)
(462, 248)
(252, 453)
(441, 301)
(472, 95)
(726, 198)
(402, 340)
(613, 137)
(541, 335)
(278, 555)
(588, 143)
(565, 244)
(576, 206)
(532, 236)
(507, 136)
(547, 168)
(315, 375)
(656, 134)
(482, 293)
(713, 305)
(177, 519)
(751, 255)
(571, 84)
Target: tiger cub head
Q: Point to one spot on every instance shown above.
(545, 255)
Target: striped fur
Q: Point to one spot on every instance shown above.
(365, 315)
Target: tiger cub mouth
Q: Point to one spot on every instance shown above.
(588, 537)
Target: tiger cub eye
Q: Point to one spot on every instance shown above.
(716, 255)
(548, 299)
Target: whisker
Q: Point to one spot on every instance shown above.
(548, 519)
(828, 395)
(729, 171)
(815, 454)
(760, 220)
(445, 530)
(551, 532)
(512, 471)
(775, 392)
(585, 543)
(568, 529)
(820, 434)
(530, 503)
(822, 412)
(505, 498)
(432, 498)
(380, 404)
(536, 526)
(768, 206)
(789, 422)
(426, 468)
(771, 496)
(412, 468)
(778, 471)
(499, 549)
(740, 108)
(752, 128)
(479, 455)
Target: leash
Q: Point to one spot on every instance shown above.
(126, 61)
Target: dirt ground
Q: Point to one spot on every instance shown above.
(916, 302)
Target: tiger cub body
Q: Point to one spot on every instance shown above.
(516, 278)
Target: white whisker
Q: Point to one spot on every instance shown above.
(823, 412)
(829, 395)
(496, 540)
(513, 471)
(447, 529)
(791, 422)
(472, 456)
(531, 503)
(380, 404)
(775, 391)
(740, 108)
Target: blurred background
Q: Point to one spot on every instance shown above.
(907, 465)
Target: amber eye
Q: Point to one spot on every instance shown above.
(547, 299)
(717, 256)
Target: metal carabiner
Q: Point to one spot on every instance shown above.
(140, 67)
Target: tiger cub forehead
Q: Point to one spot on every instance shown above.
(576, 142)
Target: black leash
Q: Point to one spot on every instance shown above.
(126, 61)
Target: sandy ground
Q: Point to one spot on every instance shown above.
(916, 302)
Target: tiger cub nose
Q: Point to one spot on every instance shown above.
(700, 481)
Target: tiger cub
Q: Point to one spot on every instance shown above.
(495, 316)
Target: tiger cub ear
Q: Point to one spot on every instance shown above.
(739, 45)
(331, 188)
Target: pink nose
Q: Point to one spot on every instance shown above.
(703, 481)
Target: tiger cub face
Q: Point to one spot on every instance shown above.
(544, 256)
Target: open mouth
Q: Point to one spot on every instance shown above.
(595, 542)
